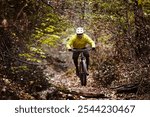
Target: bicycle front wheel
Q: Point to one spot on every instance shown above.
(83, 73)
(83, 79)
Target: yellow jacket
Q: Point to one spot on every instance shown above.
(76, 42)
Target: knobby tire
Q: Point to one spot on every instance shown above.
(83, 75)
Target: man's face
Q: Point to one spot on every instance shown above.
(79, 36)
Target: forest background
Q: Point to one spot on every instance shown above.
(33, 34)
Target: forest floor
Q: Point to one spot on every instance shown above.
(69, 87)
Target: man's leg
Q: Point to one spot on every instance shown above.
(87, 62)
(75, 60)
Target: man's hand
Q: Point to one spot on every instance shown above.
(69, 49)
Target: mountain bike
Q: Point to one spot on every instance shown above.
(83, 73)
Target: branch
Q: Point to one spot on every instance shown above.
(78, 94)
(20, 12)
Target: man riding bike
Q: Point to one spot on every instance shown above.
(79, 41)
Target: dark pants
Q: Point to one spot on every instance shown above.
(76, 56)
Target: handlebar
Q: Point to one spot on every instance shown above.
(81, 50)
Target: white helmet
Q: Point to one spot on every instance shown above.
(79, 30)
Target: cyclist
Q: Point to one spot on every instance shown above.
(79, 41)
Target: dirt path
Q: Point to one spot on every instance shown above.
(69, 81)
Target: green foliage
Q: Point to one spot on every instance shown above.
(36, 50)
(139, 2)
(146, 8)
(20, 68)
(49, 29)
(50, 40)
(30, 57)
(104, 38)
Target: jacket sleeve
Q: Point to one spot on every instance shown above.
(90, 41)
(70, 42)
